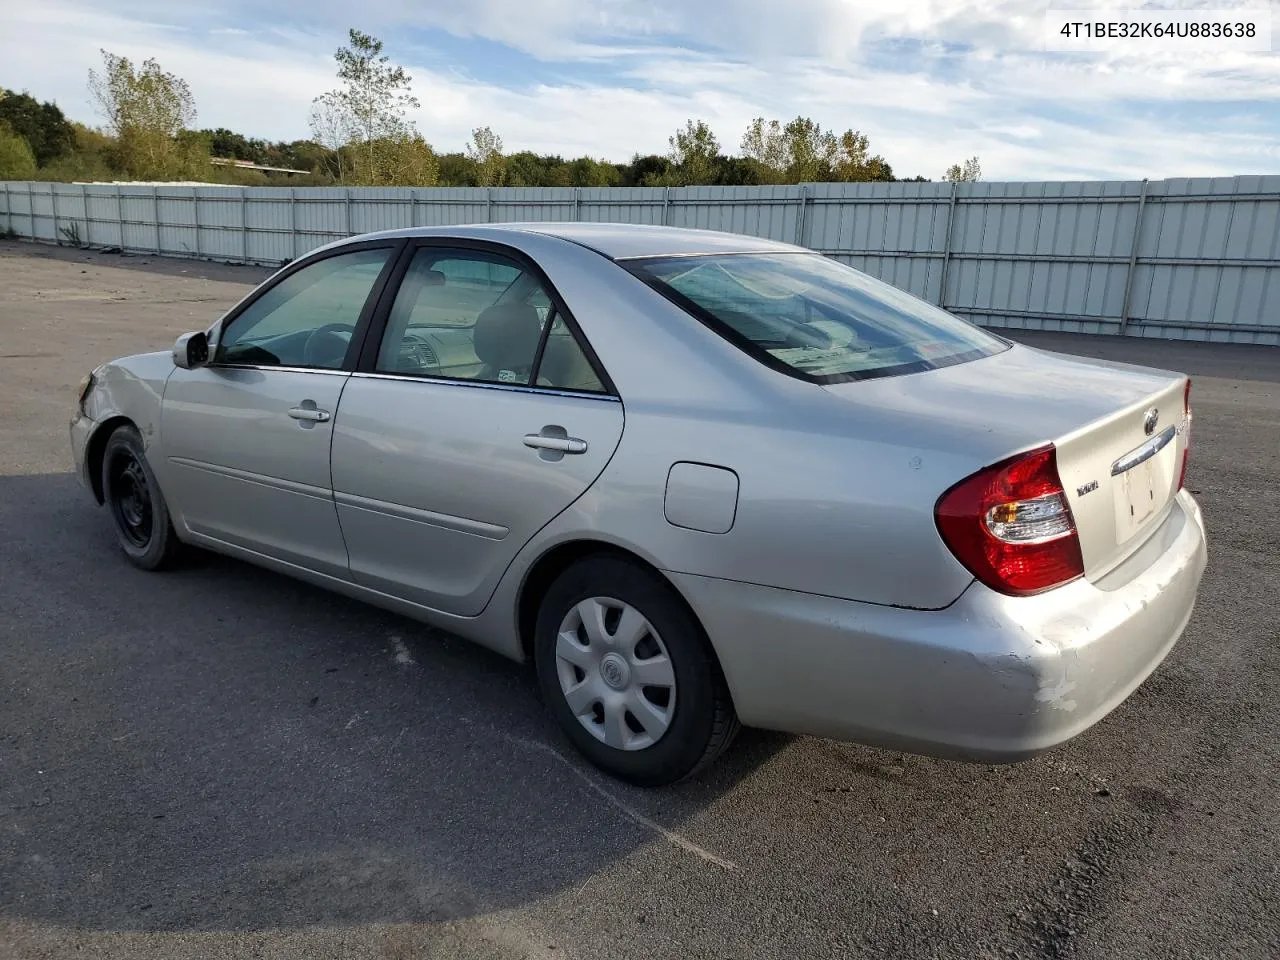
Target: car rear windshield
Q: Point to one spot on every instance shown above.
(814, 317)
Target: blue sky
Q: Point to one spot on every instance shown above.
(930, 81)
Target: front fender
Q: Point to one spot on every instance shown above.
(129, 389)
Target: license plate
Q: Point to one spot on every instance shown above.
(1142, 491)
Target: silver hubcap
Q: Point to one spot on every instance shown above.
(615, 673)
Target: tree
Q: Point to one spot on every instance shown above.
(369, 109)
(485, 151)
(854, 163)
(332, 126)
(145, 109)
(45, 128)
(767, 146)
(17, 162)
(970, 172)
(810, 151)
(694, 149)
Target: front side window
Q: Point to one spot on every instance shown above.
(814, 317)
(476, 315)
(308, 318)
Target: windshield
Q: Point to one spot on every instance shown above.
(814, 317)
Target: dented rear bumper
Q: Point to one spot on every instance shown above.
(991, 678)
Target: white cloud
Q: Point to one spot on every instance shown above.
(931, 81)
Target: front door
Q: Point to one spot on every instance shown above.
(247, 437)
(481, 420)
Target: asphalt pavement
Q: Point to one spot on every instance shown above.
(221, 762)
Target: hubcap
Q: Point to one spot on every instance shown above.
(130, 498)
(615, 673)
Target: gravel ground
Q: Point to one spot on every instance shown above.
(221, 762)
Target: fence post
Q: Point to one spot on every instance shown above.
(488, 204)
(155, 209)
(666, 207)
(84, 208)
(53, 200)
(120, 215)
(347, 205)
(293, 223)
(577, 203)
(8, 208)
(800, 218)
(244, 225)
(1133, 260)
(195, 213)
(946, 247)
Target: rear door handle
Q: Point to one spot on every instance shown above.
(309, 413)
(560, 444)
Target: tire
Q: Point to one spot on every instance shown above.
(139, 513)
(624, 626)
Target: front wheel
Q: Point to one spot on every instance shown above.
(628, 674)
(138, 508)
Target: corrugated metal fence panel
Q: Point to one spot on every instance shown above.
(1191, 259)
(1042, 256)
(1207, 261)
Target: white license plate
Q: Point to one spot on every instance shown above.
(1142, 491)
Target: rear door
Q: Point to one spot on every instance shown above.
(477, 415)
(247, 437)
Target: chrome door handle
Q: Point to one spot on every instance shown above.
(309, 413)
(560, 444)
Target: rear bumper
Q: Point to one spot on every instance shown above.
(991, 678)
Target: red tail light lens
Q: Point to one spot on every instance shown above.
(1011, 526)
(1186, 443)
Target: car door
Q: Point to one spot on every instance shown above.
(247, 437)
(474, 418)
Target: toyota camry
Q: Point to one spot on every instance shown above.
(697, 479)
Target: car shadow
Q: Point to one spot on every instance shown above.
(221, 747)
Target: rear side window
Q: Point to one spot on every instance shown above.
(815, 318)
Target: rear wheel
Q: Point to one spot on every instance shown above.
(138, 509)
(628, 674)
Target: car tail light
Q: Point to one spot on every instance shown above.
(1011, 526)
(1186, 442)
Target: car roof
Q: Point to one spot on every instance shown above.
(617, 241)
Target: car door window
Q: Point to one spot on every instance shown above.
(309, 317)
(469, 315)
(564, 364)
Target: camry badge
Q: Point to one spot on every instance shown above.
(1089, 487)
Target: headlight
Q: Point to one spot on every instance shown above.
(82, 391)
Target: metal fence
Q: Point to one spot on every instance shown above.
(1195, 259)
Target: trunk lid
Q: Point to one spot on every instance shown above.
(1119, 476)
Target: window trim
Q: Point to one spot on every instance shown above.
(634, 266)
(372, 299)
(367, 361)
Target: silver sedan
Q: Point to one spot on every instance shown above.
(697, 479)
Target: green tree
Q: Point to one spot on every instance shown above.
(853, 160)
(369, 109)
(766, 145)
(810, 151)
(17, 162)
(968, 172)
(145, 109)
(694, 149)
(485, 151)
(45, 128)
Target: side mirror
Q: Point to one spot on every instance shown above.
(191, 350)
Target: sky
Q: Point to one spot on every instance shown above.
(931, 82)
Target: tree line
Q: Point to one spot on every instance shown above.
(362, 136)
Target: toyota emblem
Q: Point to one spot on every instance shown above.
(1149, 421)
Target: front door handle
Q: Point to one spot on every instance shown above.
(560, 444)
(308, 411)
